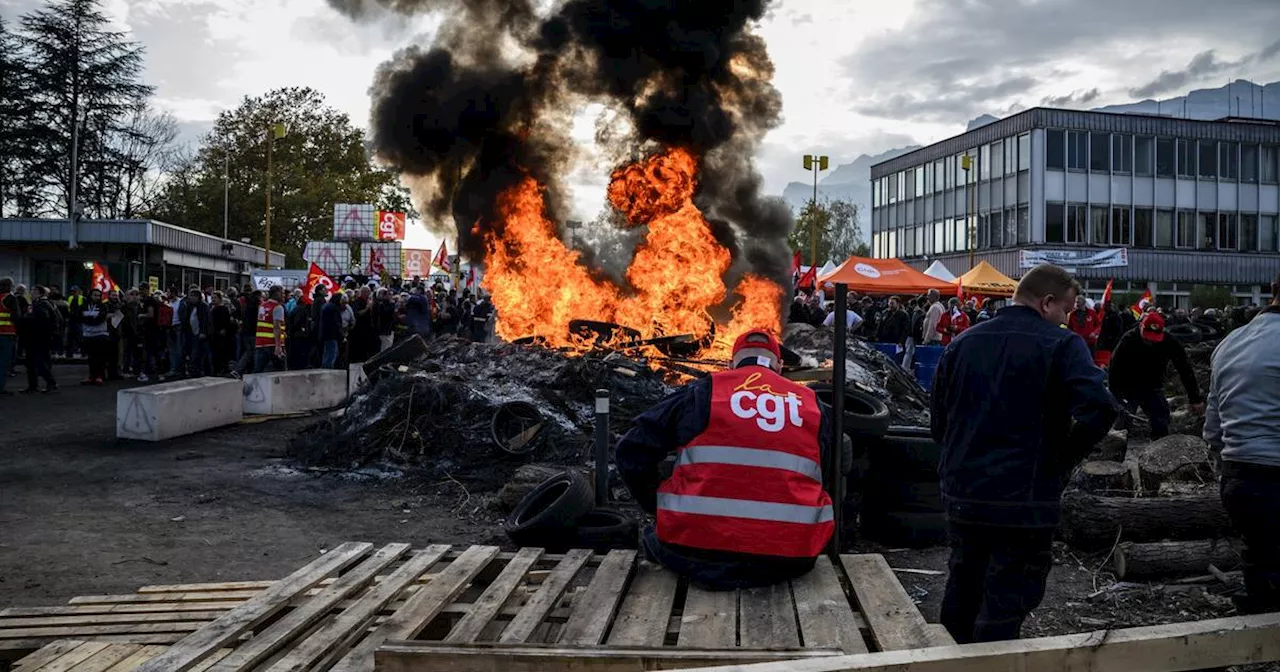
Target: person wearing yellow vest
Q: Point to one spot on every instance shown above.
(9, 315)
(269, 335)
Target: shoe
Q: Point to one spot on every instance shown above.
(50, 390)
(143, 378)
(29, 390)
(234, 374)
(97, 381)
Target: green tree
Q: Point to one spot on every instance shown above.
(839, 234)
(78, 72)
(320, 160)
(17, 188)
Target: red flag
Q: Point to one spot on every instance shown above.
(471, 277)
(959, 290)
(795, 263)
(442, 258)
(316, 277)
(809, 279)
(1106, 294)
(102, 279)
(376, 267)
(1139, 308)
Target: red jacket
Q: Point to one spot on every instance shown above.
(951, 325)
(1087, 326)
(751, 482)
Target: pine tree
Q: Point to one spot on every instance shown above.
(79, 70)
(16, 194)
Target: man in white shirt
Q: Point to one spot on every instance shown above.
(932, 317)
(851, 319)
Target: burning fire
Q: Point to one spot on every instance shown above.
(676, 277)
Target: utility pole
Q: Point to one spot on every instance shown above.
(816, 164)
(276, 131)
(966, 163)
(226, 189)
(72, 208)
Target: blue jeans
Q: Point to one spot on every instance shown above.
(330, 355)
(175, 351)
(200, 364)
(264, 359)
(7, 346)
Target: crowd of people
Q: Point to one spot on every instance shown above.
(154, 335)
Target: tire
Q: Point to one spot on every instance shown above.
(864, 414)
(905, 458)
(1185, 333)
(550, 513)
(906, 496)
(403, 352)
(899, 528)
(603, 530)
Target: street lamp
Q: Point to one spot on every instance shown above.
(273, 133)
(966, 163)
(816, 164)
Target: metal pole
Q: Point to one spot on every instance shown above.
(834, 466)
(970, 210)
(602, 447)
(271, 143)
(813, 219)
(226, 188)
(72, 225)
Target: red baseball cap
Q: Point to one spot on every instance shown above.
(759, 340)
(1153, 327)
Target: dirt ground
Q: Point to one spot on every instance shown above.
(82, 514)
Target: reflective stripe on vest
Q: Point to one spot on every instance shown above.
(743, 508)
(265, 334)
(750, 457)
(6, 318)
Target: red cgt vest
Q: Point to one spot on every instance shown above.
(752, 481)
(265, 333)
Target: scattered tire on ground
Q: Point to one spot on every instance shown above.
(603, 529)
(551, 512)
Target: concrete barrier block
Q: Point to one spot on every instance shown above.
(166, 410)
(355, 378)
(294, 391)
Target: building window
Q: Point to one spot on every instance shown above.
(1186, 229)
(1077, 150)
(1228, 233)
(1164, 228)
(1121, 234)
(1077, 224)
(1206, 231)
(1228, 160)
(919, 240)
(1122, 152)
(1024, 151)
(997, 228)
(1098, 221)
(939, 234)
(920, 181)
(962, 234)
(997, 158)
(1164, 157)
(1186, 159)
(1143, 155)
(909, 179)
(1248, 163)
(1099, 152)
(1024, 225)
(902, 186)
(937, 176)
(1055, 223)
(1010, 156)
(893, 188)
(984, 162)
(1267, 233)
(1142, 234)
(1248, 233)
(1208, 159)
(1055, 150)
(1268, 169)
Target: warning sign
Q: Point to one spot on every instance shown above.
(353, 222)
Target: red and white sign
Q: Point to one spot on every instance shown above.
(316, 277)
(442, 259)
(417, 263)
(390, 225)
(102, 279)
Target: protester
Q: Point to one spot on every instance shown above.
(894, 324)
(251, 300)
(222, 333)
(1137, 373)
(970, 309)
(330, 331)
(916, 334)
(363, 337)
(9, 316)
(95, 335)
(852, 320)
(115, 318)
(60, 304)
(1240, 425)
(301, 332)
(23, 305)
(1081, 321)
(953, 322)
(269, 333)
(173, 331)
(417, 313)
(1110, 327)
(196, 331)
(38, 327)
(1017, 402)
(933, 315)
(748, 444)
(384, 318)
(319, 299)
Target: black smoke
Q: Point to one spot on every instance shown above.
(490, 102)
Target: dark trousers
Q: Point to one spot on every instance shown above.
(1156, 407)
(245, 362)
(38, 366)
(98, 350)
(8, 347)
(997, 577)
(199, 362)
(264, 360)
(1251, 496)
(299, 353)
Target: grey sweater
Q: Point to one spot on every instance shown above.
(1242, 414)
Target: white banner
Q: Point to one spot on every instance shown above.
(1074, 259)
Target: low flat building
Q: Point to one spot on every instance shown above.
(49, 252)
(1151, 201)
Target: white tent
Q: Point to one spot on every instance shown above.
(937, 270)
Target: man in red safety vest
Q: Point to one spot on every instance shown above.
(9, 316)
(269, 335)
(744, 505)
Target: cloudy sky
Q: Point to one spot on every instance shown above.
(857, 76)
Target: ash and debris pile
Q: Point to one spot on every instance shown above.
(867, 368)
(436, 414)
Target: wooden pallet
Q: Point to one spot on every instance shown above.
(473, 608)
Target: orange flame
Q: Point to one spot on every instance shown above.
(676, 277)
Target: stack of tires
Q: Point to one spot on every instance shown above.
(561, 514)
(866, 420)
(902, 501)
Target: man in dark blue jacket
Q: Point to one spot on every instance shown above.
(1017, 403)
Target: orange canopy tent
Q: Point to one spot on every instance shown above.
(984, 279)
(883, 276)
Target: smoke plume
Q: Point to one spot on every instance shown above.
(491, 102)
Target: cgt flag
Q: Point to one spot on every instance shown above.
(1106, 294)
(101, 279)
(808, 279)
(442, 259)
(1140, 307)
(316, 277)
